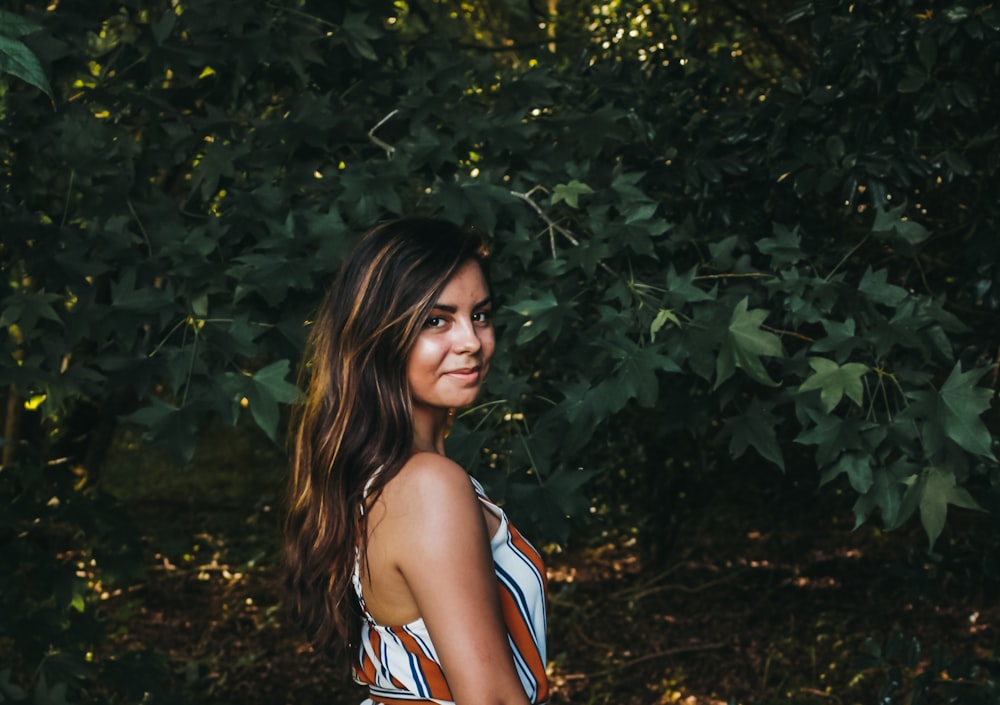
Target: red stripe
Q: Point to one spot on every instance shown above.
(431, 671)
(520, 634)
(367, 665)
(529, 552)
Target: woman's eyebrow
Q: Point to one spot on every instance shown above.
(448, 308)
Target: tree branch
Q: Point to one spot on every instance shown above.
(554, 227)
(390, 151)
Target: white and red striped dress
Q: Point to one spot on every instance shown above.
(399, 664)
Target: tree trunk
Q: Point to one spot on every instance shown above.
(11, 424)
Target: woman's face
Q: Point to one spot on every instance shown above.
(452, 354)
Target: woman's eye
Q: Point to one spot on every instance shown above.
(482, 316)
(434, 322)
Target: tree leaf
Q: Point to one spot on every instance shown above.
(911, 84)
(857, 467)
(932, 492)
(216, 162)
(543, 314)
(835, 381)
(745, 343)
(269, 388)
(272, 378)
(660, 320)
(893, 222)
(564, 486)
(167, 423)
(962, 402)
(784, 247)
(875, 285)
(570, 193)
(682, 289)
(12, 25)
(16, 59)
(26, 308)
(356, 32)
(885, 495)
(756, 428)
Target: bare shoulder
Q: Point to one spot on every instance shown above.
(430, 477)
(430, 504)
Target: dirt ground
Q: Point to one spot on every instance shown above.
(750, 609)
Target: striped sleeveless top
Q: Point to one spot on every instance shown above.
(399, 664)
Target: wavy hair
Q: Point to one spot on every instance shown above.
(354, 430)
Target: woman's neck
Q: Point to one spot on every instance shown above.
(430, 426)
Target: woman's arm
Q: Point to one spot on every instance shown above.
(440, 546)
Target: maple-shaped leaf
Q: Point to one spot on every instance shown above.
(542, 313)
(681, 288)
(269, 388)
(892, 222)
(834, 381)
(213, 164)
(833, 435)
(931, 492)
(169, 424)
(875, 285)
(25, 308)
(664, 315)
(961, 404)
(884, 495)
(744, 344)
(784, 248)
(755, 428)
(857, 467)
(570, 193)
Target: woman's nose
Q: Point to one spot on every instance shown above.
(467, 337)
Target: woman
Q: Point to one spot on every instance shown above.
(393, 552)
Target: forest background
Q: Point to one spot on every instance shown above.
(749, 268)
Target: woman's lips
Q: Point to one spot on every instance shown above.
(467, 375)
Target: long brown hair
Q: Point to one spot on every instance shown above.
(354, 432)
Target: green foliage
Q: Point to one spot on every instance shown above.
(715, 245)
(16, 58)
(735, 240)
(908, 674)
(60, 548)
(168, 226)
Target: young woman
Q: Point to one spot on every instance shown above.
(393, 552)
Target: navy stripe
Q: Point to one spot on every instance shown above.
(522, 603)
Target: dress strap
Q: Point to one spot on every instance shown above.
(356, 575)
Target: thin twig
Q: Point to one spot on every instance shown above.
(155, 350)
(923, 275)
(142, 229)
(390, 151)
(69, 192)
(847, 257)
(735, 275)
(821, 693)
(655, 655)
(190, 372)
(685, 588)
(872, 398)
(555, 227)
(531, 457)
(305, 15)
(792, 333)
(645, 585)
